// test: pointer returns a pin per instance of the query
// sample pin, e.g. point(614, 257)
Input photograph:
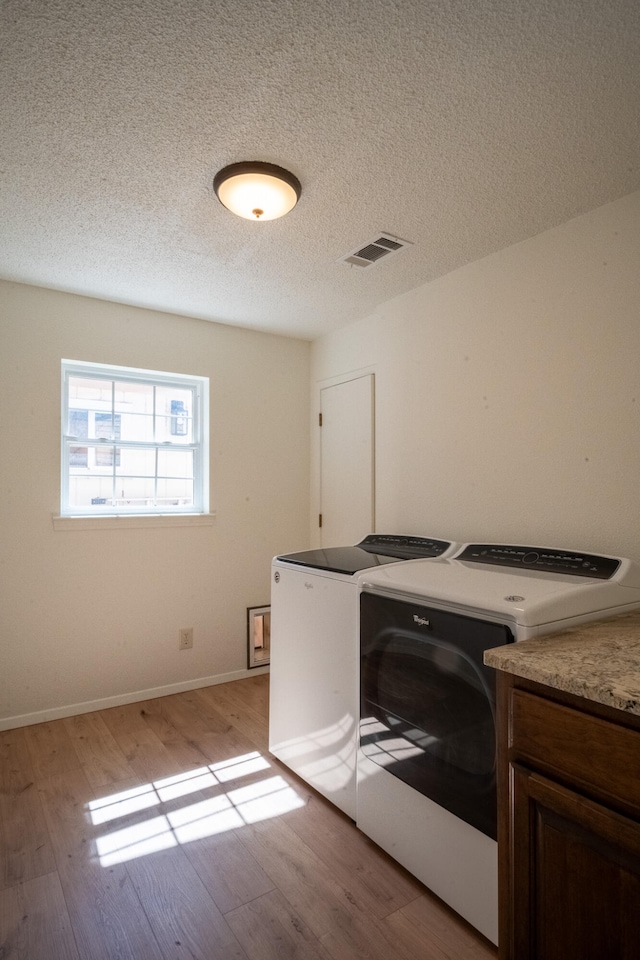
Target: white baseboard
point(89, 706)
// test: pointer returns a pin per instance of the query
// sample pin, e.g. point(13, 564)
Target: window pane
point(137, 462)
point(174, 415)
point(134, 405)
point(175, 493)
point(94, 459)
point(78, 456)
point(137, 427)
point(175, 463)
point(135, 492)
point(107, 426)
point(79, 424)
point(87, 492)
point(90, 467)
point(89, 393)
point(105, 456)
point(135, 397)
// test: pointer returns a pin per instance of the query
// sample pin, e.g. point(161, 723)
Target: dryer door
point(428, 703)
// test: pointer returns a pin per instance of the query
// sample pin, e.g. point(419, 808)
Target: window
point(133, 441)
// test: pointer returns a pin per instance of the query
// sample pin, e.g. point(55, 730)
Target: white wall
point(87, 614)
point(508, 392)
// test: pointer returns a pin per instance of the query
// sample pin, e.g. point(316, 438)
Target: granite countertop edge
point(599, 661)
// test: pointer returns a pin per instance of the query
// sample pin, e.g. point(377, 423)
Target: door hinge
point(319, 519)
point(319, 419)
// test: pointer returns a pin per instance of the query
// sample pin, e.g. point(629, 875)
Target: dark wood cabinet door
point(575, 875)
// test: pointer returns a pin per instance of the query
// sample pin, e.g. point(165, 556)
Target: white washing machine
point(313, 713)
point(426, 758)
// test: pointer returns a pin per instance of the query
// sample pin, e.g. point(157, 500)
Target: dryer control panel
point(541, 558)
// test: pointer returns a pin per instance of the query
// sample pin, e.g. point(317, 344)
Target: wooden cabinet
point(569, 826)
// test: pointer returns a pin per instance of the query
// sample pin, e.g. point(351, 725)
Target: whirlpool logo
point(421, 621)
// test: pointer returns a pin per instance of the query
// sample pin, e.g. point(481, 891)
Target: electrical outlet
point(185, 638)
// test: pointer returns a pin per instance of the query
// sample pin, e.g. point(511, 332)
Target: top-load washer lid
point(530, 586)
point(375, 550)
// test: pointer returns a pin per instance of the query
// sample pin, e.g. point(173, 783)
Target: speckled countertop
point(599, 661)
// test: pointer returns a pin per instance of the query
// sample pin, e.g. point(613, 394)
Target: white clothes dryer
point(426, 759)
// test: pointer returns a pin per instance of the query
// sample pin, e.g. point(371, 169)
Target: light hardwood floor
point(164, 830)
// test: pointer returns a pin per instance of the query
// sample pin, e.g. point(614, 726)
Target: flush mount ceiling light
point(257, 191)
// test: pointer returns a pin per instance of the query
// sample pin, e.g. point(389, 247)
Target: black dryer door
point(427, 711)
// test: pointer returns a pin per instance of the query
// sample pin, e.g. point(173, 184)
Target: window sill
point(128, 521)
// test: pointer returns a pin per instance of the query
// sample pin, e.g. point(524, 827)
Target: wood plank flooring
point(164, 830)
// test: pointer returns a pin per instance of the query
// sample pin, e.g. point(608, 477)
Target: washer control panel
point(541, 558)
point(411, 548)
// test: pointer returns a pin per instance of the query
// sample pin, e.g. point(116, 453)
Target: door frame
point(316, 462)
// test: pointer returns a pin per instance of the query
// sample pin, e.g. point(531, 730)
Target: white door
point(347, 461)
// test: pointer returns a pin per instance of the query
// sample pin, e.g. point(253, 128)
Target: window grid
point(117, 487)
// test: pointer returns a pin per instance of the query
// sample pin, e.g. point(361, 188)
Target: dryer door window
point(428, 703)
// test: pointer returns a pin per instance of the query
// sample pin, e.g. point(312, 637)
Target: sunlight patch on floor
point(229, 808)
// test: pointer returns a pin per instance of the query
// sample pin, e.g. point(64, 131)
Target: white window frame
point(199, 386)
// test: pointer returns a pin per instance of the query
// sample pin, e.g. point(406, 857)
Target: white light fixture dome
point(257, 191)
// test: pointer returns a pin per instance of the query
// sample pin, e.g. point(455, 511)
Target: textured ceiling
point(462, 126)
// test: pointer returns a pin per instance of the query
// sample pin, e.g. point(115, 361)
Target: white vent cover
point(382, 246)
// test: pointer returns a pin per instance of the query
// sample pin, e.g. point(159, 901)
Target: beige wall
point(507, 408)
point(89, 614)
point(508, 392)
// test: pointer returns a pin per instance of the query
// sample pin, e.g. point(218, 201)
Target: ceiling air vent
point(377, 249)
